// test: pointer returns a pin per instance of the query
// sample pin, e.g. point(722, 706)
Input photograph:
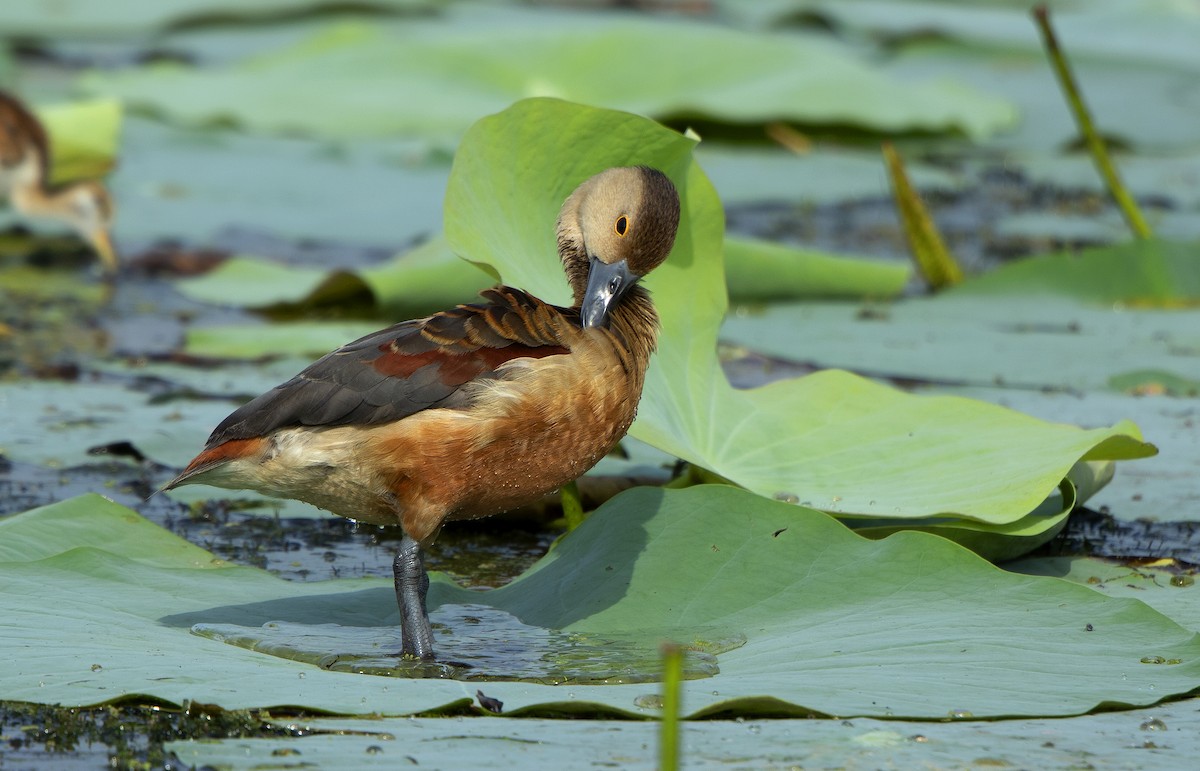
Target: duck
point(25, 181)
point(472, 411)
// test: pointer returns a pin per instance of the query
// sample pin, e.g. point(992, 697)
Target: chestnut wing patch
point(455, 368)
point(17, 126)
point(404, 369)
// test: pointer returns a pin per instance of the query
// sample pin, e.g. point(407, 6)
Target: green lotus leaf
point(1059, 321)
point(760, 271)
point(433, 77)
point(1158, 489)
point(345, 744)
point(174, 183)
point(247, 281)
point(1130, 59)
point(828, 175)
point(99, 606)
point(1105, 30)
point(306, 339)
point(1000, 542)
point(416, 283)
point(1165, 588)
point(432, 277)
point(831, 440)
point(84, 137)
point(1147, 273)
point(130, 18)
point(55, 424)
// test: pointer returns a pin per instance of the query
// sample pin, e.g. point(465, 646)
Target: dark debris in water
point(967, 220)
point(1098, 534)
point(495, 706)
point(483, 554)
point(36, 736)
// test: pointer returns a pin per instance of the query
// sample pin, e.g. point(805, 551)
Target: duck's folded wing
point(416, 365)
point(17, 129)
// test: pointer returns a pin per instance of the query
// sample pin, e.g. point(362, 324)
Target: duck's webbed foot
point(412, 584)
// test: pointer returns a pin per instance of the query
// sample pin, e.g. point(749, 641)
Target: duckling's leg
point(412, 584)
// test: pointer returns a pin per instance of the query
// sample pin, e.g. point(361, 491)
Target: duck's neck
point(633, 321)
point(35, 200)
point(576, 267)
point(634, 324)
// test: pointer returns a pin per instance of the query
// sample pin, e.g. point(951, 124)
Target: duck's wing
point(412, 366)
point(20, 131)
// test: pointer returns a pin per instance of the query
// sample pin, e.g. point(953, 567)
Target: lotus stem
point(668, 736)
point(790, 138)
point(692, 475)
point(934, 261)
point(572, 505)
point(1083, 118)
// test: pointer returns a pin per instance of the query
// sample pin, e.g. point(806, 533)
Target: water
point(478, 642)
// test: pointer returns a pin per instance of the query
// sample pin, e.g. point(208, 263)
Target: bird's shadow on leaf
point(587, 572)
point(367, 607)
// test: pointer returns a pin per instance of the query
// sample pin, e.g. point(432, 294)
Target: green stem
point(1083, 118)
point(668, 737)
point(934, 261)
point(695, 475)
point(572, 505)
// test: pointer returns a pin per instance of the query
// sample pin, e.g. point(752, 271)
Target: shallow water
point(144, 319)
point(478, 642)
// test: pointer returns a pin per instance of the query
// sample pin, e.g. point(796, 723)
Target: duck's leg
point(412, 584)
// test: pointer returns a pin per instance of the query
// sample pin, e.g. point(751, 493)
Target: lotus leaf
point(434, 77)
point(99, 603)
point(831, 440)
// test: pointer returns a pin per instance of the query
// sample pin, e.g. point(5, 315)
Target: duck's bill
point(102, 243)
point(607, 284)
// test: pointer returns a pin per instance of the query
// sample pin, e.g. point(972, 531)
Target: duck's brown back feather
point(404, 369)
point(461, 415)
point(21, 132)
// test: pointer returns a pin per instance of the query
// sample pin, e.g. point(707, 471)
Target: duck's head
point(85, 206)
point(615, 228)
point(89, 209)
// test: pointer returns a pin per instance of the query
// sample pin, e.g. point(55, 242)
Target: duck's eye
point(622, 226)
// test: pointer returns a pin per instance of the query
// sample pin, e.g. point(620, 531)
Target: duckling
point(471, 411)
point(25, 180)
